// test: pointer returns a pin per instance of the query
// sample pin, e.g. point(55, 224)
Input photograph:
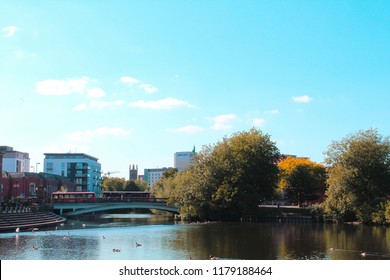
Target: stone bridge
point(71, 209)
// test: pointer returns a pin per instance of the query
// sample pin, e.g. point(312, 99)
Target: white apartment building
point(15, 161)
point(182, 160)
point(82, 169)
point(152, 175)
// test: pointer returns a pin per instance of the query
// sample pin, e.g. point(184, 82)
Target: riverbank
point(273, 213)
point(28, 220)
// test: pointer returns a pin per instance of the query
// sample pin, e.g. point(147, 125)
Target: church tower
point(133, 172)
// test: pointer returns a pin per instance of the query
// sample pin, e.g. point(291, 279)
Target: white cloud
point(20, 54)
point(81, 86)
point(223, 122)
point(274, 111)
point(163, 104)
point(130, 80)
point(9, 30)
point(302, 99)
point(94, 104)
point(80, 107)
point(258, 122)
point(62, 87)
point(87, 136)
point(79, 141)
point(190, 129)
point(148, 88)
point(95, 93)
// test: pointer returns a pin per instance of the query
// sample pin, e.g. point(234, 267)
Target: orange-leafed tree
point(299, 177)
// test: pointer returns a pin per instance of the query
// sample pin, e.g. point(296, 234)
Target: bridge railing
point(113, 200)
point(133, 199)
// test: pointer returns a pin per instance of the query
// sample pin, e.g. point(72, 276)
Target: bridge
point(72, 209)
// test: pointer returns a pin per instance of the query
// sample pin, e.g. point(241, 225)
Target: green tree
point(358, 176)
point(114, 184)
point(164, 187)
point(228, 180)
point(301, 176)
point(130, 185)
point(141, 184)
point(120, 184)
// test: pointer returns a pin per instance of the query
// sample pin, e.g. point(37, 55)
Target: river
point(115, 237)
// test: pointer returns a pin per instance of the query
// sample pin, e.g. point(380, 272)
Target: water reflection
point(115, 237)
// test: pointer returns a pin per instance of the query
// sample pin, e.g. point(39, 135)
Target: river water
point(115, 237)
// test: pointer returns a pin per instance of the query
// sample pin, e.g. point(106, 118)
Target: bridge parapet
point(90, 207)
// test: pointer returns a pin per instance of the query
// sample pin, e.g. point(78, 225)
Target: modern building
point(1, 177)
point(82, 169)
point(14, 161)
point(1, 162)
point(152, 175)
point(183, 160)
point(133, 172)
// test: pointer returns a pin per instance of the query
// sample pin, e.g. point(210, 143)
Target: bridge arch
point(73, 209)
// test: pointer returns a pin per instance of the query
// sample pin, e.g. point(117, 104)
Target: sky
point(133, 82)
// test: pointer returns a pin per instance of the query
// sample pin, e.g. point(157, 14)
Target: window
point(31, 189)
point(49, 167)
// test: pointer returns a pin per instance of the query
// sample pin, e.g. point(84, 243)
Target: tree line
point(121, 184)
point(228, 180)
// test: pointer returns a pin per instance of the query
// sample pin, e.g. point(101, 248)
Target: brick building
point(31, 185)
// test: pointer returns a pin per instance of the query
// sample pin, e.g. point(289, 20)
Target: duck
point(363, 254)
point(137, 244)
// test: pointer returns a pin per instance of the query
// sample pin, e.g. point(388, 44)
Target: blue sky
point(133, 82)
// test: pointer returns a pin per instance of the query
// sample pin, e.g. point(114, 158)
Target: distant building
point(141, 178)
point(1, 162)
point(27, 185)
point(1, 177)
point(183, 160)
point(152, 175)
point(14, 161)
point(82, 169)
point(133, 172)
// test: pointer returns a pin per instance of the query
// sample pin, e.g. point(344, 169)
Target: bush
point(316, 212)
point(382, 215)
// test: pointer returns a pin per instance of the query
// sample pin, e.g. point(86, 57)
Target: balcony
point(82, 175)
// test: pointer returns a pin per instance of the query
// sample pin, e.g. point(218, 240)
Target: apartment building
point(152, 175)
point(82, 169)
point(183, 160)
point(14, 161)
